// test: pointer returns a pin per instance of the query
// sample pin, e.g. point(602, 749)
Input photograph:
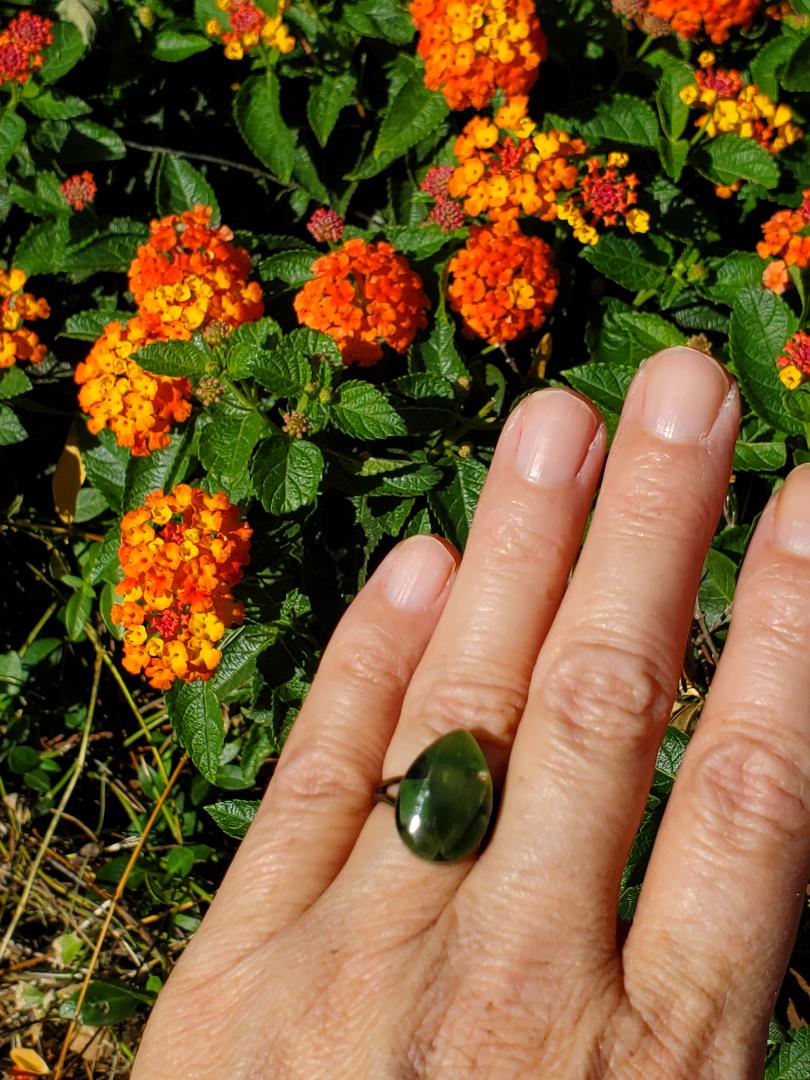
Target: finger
point(606, 676)
point(725, 885)
point(322, 789)
point(476, 670)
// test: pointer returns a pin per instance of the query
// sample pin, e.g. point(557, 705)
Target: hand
point(332, 951)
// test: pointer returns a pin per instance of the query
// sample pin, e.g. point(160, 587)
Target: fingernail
point(417, 573)
point(683, 392)
point(793, 512)
point(558, 429)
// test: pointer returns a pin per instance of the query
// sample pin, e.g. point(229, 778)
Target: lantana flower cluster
point(79, 190)
point(18, 342)
point(502, 282)
point(249, 27)
point(181, 555)
point(794, 361)
point(471, 50)
point(733, 106)
point(689, 18)
point(21, 45)
point(186, 277)
point(364, 295)
point(507, 169)
point(786, 242)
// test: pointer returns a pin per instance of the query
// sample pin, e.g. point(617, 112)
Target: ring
point(444, 803)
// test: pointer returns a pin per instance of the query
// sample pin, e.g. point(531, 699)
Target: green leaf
point(362, 410)
point(106, 466)
point(196, 717)
point(672, 112)
point(673, 156)
point(761, 324)
point(669, 759)
point(287, 474)
point(21, 759)
point(106, 1002)
point(50, 106)
point(285, 370)
point(628, 336)
point(769, 60)
point(624, 119)
point(77, 612)
point(294, 267)
point(454, 503)
point(90, 141)
point(160, 470)
point(42, 249)
point(239, 655)
point(792, 1060)
point(760, 457)
point(439, 353)
point(234, 815)
point(226, 445)
point(107, 254)
point(173, 358)
point(605, 384)
point(797, 74)
point(413, 113)
point(45, 201)
point(63, 54)
point(258, 117)
point(13, 382)
point(730, 273)
point(89, 325)
point(172, 44)
point(627, 260)
point(327, 98)
point(419, 241)
point(182, 187)
point(729, 158)
point(11, 430)
point(385, 19)
point(12, 133)
point(306, 175)
point(717, 588)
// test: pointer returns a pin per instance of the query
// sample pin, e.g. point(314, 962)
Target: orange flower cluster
point(507, 168)
point(21, 45)
point(715, 18)
point(138, 407)
point(189, 274)
point(181, 555)
point(251, 27)
point(363, 295)
point(733, 106)
point(472, 49)
point(17, 342)
point(794, 361)
point(786, 240)
point(503, 283)
point(79, 190)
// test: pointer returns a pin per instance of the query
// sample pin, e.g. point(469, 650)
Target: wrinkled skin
point(332, 951)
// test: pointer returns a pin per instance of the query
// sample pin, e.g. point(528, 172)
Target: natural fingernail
point(793, 512)
point(558, 429)
point(683, 392)
point(417, 573)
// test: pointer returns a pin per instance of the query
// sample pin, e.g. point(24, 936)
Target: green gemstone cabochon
point(445, 799)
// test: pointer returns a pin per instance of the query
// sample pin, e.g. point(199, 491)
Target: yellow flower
point(638, 221)
point(790, 376)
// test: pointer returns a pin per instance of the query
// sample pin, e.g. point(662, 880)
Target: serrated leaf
point(233, 815)
point(761, 324)
point(628, 336)
point(455, 501)
point(287, 474)
point(327, 98)
point(226, 445)
point(624, 119)
point(717, 587)
point(106, 468)
point(362, 410)
point(42, 249)
point(106, 254)
point(285, 370)
point(11, 430)
point(628, 261)
point(294, 267)
point(731, 273)
point(413, 113)
point(306, 175)
point(88, 325)
point(196, 717)
point(90, 141)
point(177, 359)
point(419, 241)
point(768, 61)
point(759, 457)
point(77, 612)
point(385, 19)
point(729, 158)
point(604, 384)
point(13, 382)
point(182, 187)
point(673, 156)
point(439, 353)
point(792, 1060)
point(50, 106)
point(258, 116)
point(669, 759)
point(160, 470)
point(239, 655)
point(12, 133)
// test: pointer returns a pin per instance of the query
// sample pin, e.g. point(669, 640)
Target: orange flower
point(251, 27)
point(138, 407)
point(21, 45)
point(473, 49)
point(189, 274)
point(363, 295)
point(786, 237)
point(181, 555)
point(775, 276)
point(714, 17)
point(17, 342)
point(503, 283)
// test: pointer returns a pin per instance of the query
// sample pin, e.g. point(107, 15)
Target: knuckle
point(515, 534)
point(775, 610)
point(369, 658)
point(652, 505)
point(480, 699)
point(314, 772)
point(594, 692)
point(747, 790)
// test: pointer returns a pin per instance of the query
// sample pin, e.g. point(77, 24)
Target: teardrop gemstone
point(445, 799)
